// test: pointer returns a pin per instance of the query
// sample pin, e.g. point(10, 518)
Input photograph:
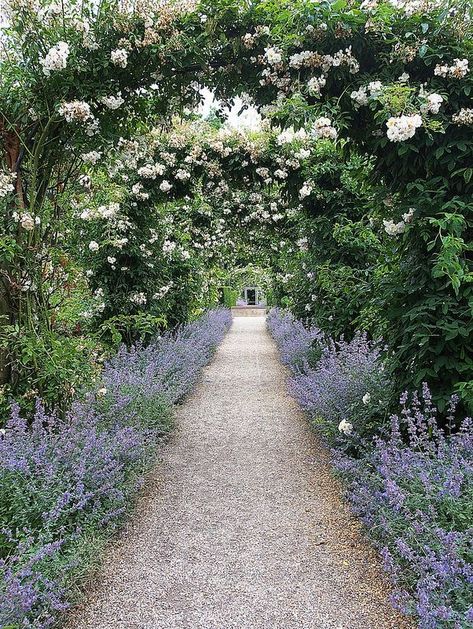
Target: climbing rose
point(165, 186)
point(56, 58)
point(458, 70)
point(403, 127)
point(75, 110)
point(119, 57)
point(112, 102)
point(322, 128)
point(273, 56)
point(27, 222)
point(305, 191)
point(394, 229)
point(6, 183)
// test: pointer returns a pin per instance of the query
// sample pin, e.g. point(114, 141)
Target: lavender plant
point(342, 385)
point(64, 483)
point(411, 484)
point(414, 492)
point(299, 345)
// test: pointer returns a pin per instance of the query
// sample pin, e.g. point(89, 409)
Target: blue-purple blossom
point(342, 383)
point(62, 479)
point(412, 485)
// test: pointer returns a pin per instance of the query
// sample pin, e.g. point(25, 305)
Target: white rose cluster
point(402, 128)
point(322, 129)
point(289, 135)
point(305, 191)
point(273, 56)
point(345, 427)
point(262, 171)
point(151, 171)
point(92, 157)
point(76, 111)
point(311, 59)
point(250, 39)
point(6, 183)
point(168, 247)
point(360, 96)
point(280, 173)
point(394, 229)
point(103, 211)
point(315, 84)
point(182, 175)
point(431, 102)
point(411, 7)
point(163, 291)
point(409, 215)
point(463, 117)
point(302, 154)
point(369, 5)
point(119, 57)
point(112, 102)
point(26, 220)
point(137, 190)
point(363, 95)
point(138, 298)
point(56, 58)
point(165, 186)
point(458, 70)
point(300, 59)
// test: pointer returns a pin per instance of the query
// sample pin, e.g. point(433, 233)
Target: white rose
point(119, 57)
point(27, 222)
point(345, 427)
point(165, 186)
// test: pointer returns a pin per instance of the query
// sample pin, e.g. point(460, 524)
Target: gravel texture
point(241, 526)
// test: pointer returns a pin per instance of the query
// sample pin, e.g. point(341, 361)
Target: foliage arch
point(391, 78)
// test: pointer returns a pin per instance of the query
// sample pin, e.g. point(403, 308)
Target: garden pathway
point(241, 526)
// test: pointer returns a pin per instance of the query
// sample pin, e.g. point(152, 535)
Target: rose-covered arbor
point(392, 78)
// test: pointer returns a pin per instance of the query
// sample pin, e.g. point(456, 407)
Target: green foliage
point(413, 287)
point(48, 365)
point(130, 328)
point(230, 296)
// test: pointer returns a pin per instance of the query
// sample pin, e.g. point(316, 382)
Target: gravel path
point(241, 526)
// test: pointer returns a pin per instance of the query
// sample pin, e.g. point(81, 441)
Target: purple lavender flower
point(412, 487)
point(60, 479)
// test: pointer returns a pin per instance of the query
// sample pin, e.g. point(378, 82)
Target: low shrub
point(66, 483)
point(299, 346)
point(414, 492)
point(342, 385)
point(347, 391)
point(409, 481)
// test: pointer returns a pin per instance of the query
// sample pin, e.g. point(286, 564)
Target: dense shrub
point(298, 344)
point(342, 385)
point(414, 492)
point(347, 388)
point(65, 484)
point(412, 485)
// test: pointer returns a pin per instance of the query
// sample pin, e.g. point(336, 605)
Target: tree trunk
point(12, 155)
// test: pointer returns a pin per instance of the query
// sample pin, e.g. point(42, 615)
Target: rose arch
point(388, 82)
